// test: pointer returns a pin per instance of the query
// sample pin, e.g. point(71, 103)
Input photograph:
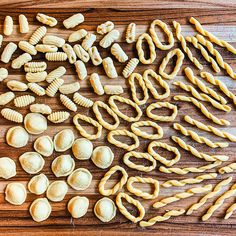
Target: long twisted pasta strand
point(212, 37)
point(196, 153)
point(219, 202)
point(186, 194)
point(181, 38)
point(227, 169)
point(196, 137)
point(210, 128)
point(230, 211)
point(203, 109)
point(217, 189)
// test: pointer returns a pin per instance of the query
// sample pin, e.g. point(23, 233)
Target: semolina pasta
point(96, 84)
point(105, 27)
point(69, 88)
point(82, 101)
point(5, 98)
point(227, 169)
point(56, 56)
point(109, 68)
point(27, 47)
point(77, 35)
point(8, 26)
point(36, 77)
point(8, 51)
point(69, 52)
point(52, 88)
point(35, 66)
point(68, 103)
point(118, 53)
point(40, 108)
point(73, 20)
point(12, 115)
point(58, 116)
point(80, 69)
point(95, 55)
point(130, 67)
point(56, 74)
point(1, 40)
point(46, 48)
point(15, 85)
point(54, 40)
point(81, 53)
point(3, 74)
point(21, 60)
point(24, 100)
point(38, 34)
point(47, 20)
point(109, 38)
point(130, 33)
point(37, 89)
point(88, 41)
point(113, 89)
point(23, 23)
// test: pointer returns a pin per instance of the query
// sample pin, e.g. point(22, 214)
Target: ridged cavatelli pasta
point(54, 40)
point(37, 89)
point(58, 116)
point(23, 23)
point(88, 41)
point(73, 20)
point(3, 73)
point(38, 35)
point(130, 33)
point(46, 48)
point(21, 60)
point(35, 66)
point(105, 27)
point(77, 35)
point(40, 108)
point(56, 56)
point(80, 69)
point(82, 101)
point(69, 88)
point(68, 103)
point(8, 52)
point(12, 115)
point(96, 84)
point(24, 100)
point(109, 38)
point(130, 67)
point(109, 68)
point(15, 85)
point(81, 53)
point(52, 88)
point(36, 77)
point(113, 89)
point(69, 52)
point(95, 55)
point(118, 53)
point(47, 20)
point(8, 25)
point(55, 74)
point(27, 47)
point(6, 98)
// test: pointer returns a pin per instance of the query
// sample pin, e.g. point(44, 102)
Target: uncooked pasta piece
point(37, 89)
point(17, 137)
point(12, 115)
point(109, 38)
point(227, 169)
point(1, 40)
point(109, 68)
point(57, 190)
point(58, 116)
point(77, 35)
point(15, 85)
point(40, 108)
point(8, 51)
point(81, 69)
point(123, 132)
point(105, 27)
point(130, 67)
point(114, 107)
point(165, 61)
point(5, 98)
point(78, 206)
point(47, 20)
point(68, 103)
point(15, 193)
point(124, 210)
point(113, 89)
point(38, 184)
point(35, 123)
point(99, 116)
point(89, 120)
point(8, 25)
point(40, 209)
point(140, 50)
point(44, 145)
point(24, 100)
point(69, 52)
point(96, 84)
point(36, 77)
point(38, 34)
point(118, 186)
point(7, 168)
point(63, 140)
point(168, 105)
point(27, 47)
point(155, 38)
point(56, 56)
point(56, 73)
point(118, 53)
point(52, 88)
point(81, 53)
point(38, 66)
point(73, 20)
point(3, 73)
point(95, 55)
point(21, 60)
point(130, 33)
point(46, 48)
point(69, 88)
point(88, 41)
point(82, 101)
point(82, 149)
point(23, 23)
point(54, 40)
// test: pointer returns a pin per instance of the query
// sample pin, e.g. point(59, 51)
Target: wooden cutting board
point(220, 19)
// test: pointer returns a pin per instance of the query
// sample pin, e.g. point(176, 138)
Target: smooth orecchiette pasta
point(3, 73)
point(8, 25)
point(36, 77)
point(27, 47)
point(105, 27)
point(15, 193)
point(78, 206)
point(21, 60)
point(44, 145)
point(8, 51)
point(82, 101)
point(82, 149)
point(69, 88)
point(56, 73)
point(35, 123)
point(12, 115)
point(227, 169)
point(52, 88)
point(140, 50)
point(37, 89)
point(113, 89)
point(15, 85)
point(54, 40)
point(155, 38)
point(109, 38)
point(81, 53)
point(118, 186)
point(24, 100)
point(118, 53)
point(124, 210)
point(5, 98)
point(96, 84)
point(38, 184)
point(17, 137)
point(38, 34)
point(7, 168)
point(130, 33)
point(58, 116)
point(63, 140)
point(56, 56)
point(40, 108)
point(23, 23)
point(57, 190)
point(165, 61)
point(73, 20)
point(88, 41)
point(130, 67)
point(80, 69)
point(160, 105)
point(77, 35)
point(109, 68)
point(47, 20)
point(91, 121)
point(95, 55)
point(68, 103)
point(69, 52)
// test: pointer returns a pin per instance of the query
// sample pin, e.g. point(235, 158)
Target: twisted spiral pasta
point(56, 56)
point(12, 115)
point(227, 169)
point(230, 211)
point(82, 101)
point(37, 89)
point(38, 34)
point(68, 103)
point(24, 100)
point(130, 67)
point(52, 88)
point(58, 116)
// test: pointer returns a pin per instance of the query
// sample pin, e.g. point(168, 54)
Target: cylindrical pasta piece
point(46, 48)
point(58, 116)
point(1, 40)
point(77, 35)
point(130, 67)
point(38, 34)
point(73, 21)
point(69, 88)
point(95, 55)
point(52, 88)
point(37, 89)
point(36, 77)
point(81, 53)
point(227, 169)
point(80, 69)
point(82, 101)
point(8, 25)
point(23, 23)
point(12, 115)
point(56, 56)
point(56, 73)
point(40, 108)
point(5, 98)
point(96, 84)
point(3, 73)
point(24, 100)
point(15, 85)
point(118, 53)
point(109, 38)
point(105, 27)
point(35, 66)
point(47, 20)
point(54, 40)
point(21, 60)
point(109, 68)
point(69, 52)
point(27, 47)
point(130, 33)
point(88, 41)
point(113, 89)
point(68, 103)
point(8, 52)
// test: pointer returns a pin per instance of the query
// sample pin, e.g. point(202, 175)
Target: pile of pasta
point(55, 48)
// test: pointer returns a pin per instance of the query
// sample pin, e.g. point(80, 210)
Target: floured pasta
point(69, 52)
point(77, 35)
point(38, 34)
point(96, 84)
point(3, 73)
point(130, 33)
point(8, 25)
point(73, 20)
point(23, 23)
point(109, 38)
point(118, 53)
point(58, 116)
point(105, 27)
point(47, 20)
point(8, 51)
point(95, 55)
point(81, 53)
point(80, 69)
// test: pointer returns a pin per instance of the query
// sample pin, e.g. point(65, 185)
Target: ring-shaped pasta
point(160, 105)
point(161, 82)
point(160, 158)
point(155, 38)
point(82, 131)
point(151, 49)
point(99, 117)
point(114, 107)
point(138, 132)
point(139, 193)
point(132, 201)
point(165, 61)
point(118, 186)
point(142, 85)
point(123, 132)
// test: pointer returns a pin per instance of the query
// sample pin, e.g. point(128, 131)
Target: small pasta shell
point(88, 41)
point(47, 20)
point(37, 89)
point(27, 47)
point(24, 25)
point(8, 25)
point(118, 53)
point(6, 98)
point(113, 89)
point(81, 53)
point(24, 100)
point(36, 77)
point(81, 69)
point(74, 20)
point(56, 56)
point(82, 101)
point(69, 52)
point(109, 68)
point(69, 88)
point(55, 74)
point(15, 85)
point(109, 38)
point(21, 60)
point(77, 35)
point(40, 108)
point(105, 28)
point(96, 84)
point(3, 74)
point(35, 66)
point(12, 115)
point(130, 33)
point(8, 52)
point(68, 103)
point(58, 116)
point(54, 87)
point(54, 40)
point(38, 35)
point(130, 67)
point(46, 48)
point(95, 55)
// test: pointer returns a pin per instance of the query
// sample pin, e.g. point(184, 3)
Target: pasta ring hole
point(140, 161)
point(162, 111)
point(145, 187)
point(156, 84)
point(171, 65)
point(126, 109)
point(113, 180)
point(106, 116)
point(125, 139)
point(130, 208)
point(165, 153)
point(139, 90)
point(162, 36)
point(145, 47)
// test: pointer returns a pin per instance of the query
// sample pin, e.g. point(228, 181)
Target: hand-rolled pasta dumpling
point(105, 209)
point(40, 209)
point(17, 137)
point(15, 193)
point(57, 190)
point(63, 165)
point(7, 168)
point(82, 148)
point(80, 179)
point(35, 123)
point(63, 140)
point(38, 184)
point(102, 157)
point(44, 145)
point(78, 206)
point(31, 162)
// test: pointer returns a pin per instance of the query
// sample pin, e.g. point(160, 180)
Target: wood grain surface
point(219, 18)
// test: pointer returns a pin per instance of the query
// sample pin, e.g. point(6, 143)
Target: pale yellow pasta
point(36, 77)
point(80, 69)
point(12, 115)
point(15, 193)
point(130, 67)
point(118, 53)
point(3, 73)
point(69, 52)
point(5, 98)
point(56, 56)
point(8, 51)
point(15, 85)
point(38, 34)
point(63, 140)
point(40, 108)
point(23, 23)
point(1, 40)
point(113, 89)
point(96, 84)
point(109, 38)
point(46, 48)
point(38, 66)
point(88, 41)
point(81, 53)
point(105, 27)
point(140, 50)
point(46, 20)
point(56, 73)
point(7, 168)
point(73, 20)
point(52, 88)
point(8, 25)
point(37, 89)
point(24, 100)
point(95, 55)
point(27, 47)
point(35, 123)
point(54, 40)
point(17, 137)
point(68, 103)
point(82, 101)
point(77, 35)
point(58, 116)
point(21, 60)
point(69, 88)
point(227, 169)
point(109, 68)
point(130, 33)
